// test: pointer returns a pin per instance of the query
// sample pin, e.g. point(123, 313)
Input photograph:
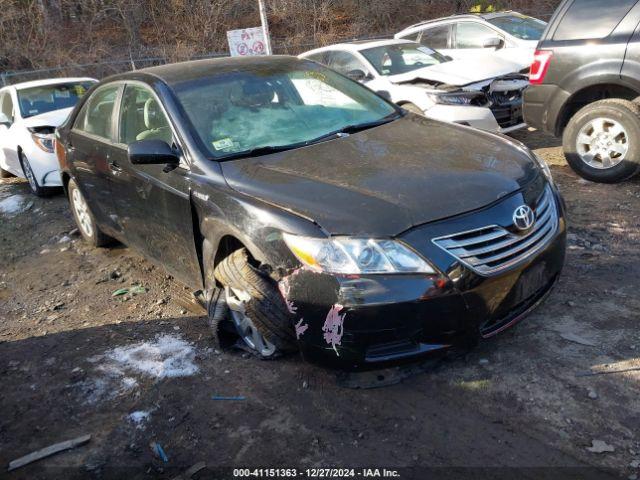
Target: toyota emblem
point(523, 217)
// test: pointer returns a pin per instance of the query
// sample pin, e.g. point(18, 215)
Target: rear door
point(91, 145)
point(437, 37)
point(153, 203)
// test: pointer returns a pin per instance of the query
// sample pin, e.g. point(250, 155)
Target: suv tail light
point(540, 65)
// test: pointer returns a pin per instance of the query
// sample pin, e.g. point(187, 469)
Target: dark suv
point(585, 80)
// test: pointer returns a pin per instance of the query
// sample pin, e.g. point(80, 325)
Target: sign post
point(265, 27)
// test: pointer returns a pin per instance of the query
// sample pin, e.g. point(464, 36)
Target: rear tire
point(261, 303)
point(84, 218)
point(602, 141)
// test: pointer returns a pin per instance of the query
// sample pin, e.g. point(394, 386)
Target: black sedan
point(315, 214)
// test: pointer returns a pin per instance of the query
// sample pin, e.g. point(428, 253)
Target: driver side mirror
point(357, 75)
point(4, 120)
point(493, 42)
point(152, 152)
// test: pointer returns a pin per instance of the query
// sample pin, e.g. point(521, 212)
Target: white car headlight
point(458, 98)
point(44, 141)
point(346, 255)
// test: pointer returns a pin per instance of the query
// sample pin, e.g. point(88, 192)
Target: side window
point(6, 105)
point(142, 117)
point(590, 19)
point(96, 116)
point(411, 36)
point(345, 62)
point(436, 37)
point(320, 57)
point(472, 35)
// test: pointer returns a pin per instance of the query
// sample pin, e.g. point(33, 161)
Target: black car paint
point(579, 65)
point(179, 219)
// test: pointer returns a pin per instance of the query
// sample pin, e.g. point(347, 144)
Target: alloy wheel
point(246, 329)
point(82, 213)
point(602, 143)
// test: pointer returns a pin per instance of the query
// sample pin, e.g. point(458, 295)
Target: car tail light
point(540, 65)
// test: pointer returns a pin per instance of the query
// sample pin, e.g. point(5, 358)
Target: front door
point(91, 144)
point(153, 205)
point(8, 148)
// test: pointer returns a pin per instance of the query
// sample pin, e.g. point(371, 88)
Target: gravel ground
point(140, 368)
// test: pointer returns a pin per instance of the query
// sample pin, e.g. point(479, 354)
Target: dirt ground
point(135, 369)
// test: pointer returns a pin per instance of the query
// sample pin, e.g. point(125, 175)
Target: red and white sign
point(246, 42)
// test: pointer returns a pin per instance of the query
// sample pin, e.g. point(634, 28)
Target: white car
point(484, 93)
point(29, 115)
point(509, 35)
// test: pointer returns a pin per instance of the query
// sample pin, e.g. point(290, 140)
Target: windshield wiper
point(349, 129)
point(256, 152)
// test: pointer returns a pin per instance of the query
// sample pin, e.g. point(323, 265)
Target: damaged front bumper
point(373, 321)
point(496, 108)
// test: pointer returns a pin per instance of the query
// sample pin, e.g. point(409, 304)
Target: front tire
point(250, 303)
point(36, 189)
point(84, 218)
point(602, 141)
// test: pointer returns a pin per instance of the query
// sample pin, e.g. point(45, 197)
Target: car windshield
point(520, 26)
point(401, 58)
point(283, 106)
point(38, 100)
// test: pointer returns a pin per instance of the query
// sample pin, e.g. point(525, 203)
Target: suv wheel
point(84, 218)
point(250, 307)
point(602, 141)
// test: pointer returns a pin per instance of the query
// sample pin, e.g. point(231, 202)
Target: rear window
point(591, 19)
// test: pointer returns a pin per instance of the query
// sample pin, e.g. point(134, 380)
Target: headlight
point(345, 255)
point(458, 98)
point(44, 141)
point(543, 167)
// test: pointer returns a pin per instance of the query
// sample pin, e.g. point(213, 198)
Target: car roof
point(357, 46)
point(175, 73)
point(51, 81)
point(469, 16)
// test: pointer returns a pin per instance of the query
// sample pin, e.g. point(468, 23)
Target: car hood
point(461, 72)
point(385, 180)
point(55, 118)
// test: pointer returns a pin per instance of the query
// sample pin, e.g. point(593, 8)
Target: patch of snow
point(168, 356)
point(121, 368)
point(139, 418)
point(13, 205)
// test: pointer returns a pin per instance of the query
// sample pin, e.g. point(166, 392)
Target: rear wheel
point(250, 307)
point(84, 218)
point(602, 141)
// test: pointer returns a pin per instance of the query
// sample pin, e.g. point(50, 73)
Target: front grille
point(492, 249)
point(507, 108)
